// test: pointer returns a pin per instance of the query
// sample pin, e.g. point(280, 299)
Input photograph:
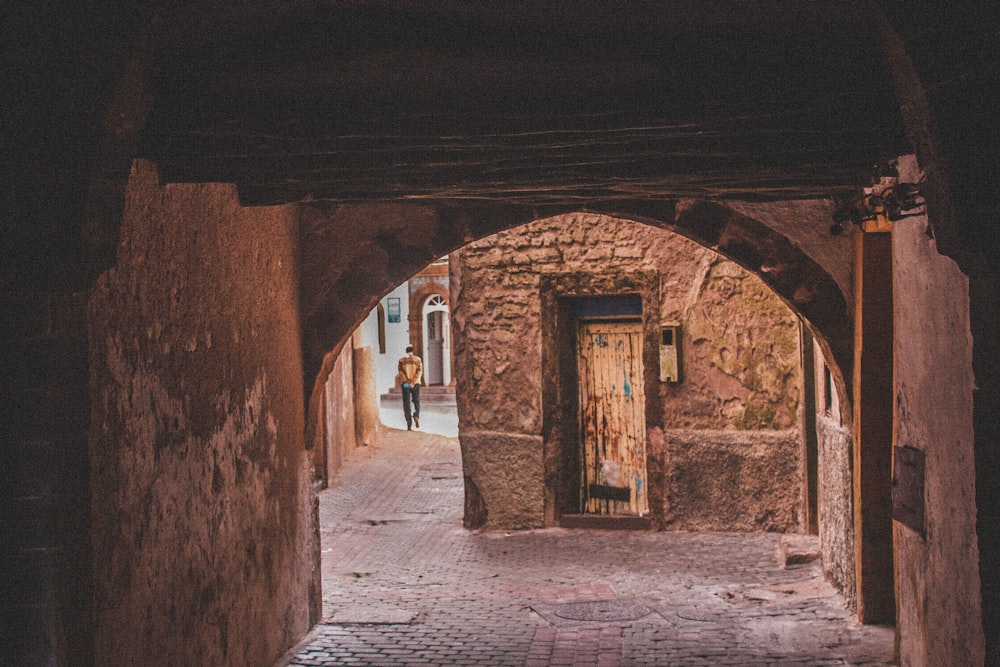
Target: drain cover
point(602, 610)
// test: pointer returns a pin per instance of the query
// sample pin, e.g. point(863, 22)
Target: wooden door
point(434, 363)
point(612, 418)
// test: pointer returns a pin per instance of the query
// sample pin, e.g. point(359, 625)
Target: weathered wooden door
point(612, 418)
point(437, 354)
point(434, 361)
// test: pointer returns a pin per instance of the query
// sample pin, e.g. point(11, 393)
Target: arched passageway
point(513, 267)
point(357, 114)
point(726, 225)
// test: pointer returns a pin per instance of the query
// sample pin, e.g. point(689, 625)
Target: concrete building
point(204, 200)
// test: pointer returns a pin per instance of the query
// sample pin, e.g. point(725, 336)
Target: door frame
point(560, 412)
point(428, 308)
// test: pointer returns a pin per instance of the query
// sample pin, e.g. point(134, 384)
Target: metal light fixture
point(885, 201)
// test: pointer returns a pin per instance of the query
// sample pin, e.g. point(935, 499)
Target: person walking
point(411, 371)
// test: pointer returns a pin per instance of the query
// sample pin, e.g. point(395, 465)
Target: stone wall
point(740, 348)
point(504, 479)
point(733, 480)
point(836, 504)
point(740, 366)
point(203, 515)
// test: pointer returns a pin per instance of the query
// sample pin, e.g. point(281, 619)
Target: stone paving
point(405, 584)
point(434, 418)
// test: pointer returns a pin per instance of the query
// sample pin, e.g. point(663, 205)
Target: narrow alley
point(405, 584)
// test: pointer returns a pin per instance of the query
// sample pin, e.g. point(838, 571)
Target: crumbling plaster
point(203, 513)
point(938, 581)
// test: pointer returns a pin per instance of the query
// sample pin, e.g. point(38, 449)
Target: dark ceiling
point(535, 103)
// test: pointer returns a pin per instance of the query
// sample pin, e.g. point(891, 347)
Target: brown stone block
point(507, 476)
point(725, 480)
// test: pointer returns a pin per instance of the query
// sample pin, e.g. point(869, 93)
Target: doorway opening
point(437, 341)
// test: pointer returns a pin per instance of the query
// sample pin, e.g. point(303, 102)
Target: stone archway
point(562, 258)
point(817, 292)
point(815, 284)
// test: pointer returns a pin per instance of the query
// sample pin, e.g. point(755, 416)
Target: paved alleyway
point(404, 584)
point(434, 418)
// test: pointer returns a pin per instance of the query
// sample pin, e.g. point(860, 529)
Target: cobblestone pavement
point(405, 584)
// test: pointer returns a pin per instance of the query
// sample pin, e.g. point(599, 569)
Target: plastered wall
point(339, 437)
point(939, 599)
point(397, 337)
point(204, 539)
point(350, 411)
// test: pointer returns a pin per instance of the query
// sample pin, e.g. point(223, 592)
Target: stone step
point(795, 549)
point(428, 393)
point(605, 522)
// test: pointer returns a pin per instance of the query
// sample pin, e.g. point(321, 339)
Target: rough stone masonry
point(718, 439)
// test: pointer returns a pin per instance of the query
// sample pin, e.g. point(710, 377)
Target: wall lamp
point(881, 204)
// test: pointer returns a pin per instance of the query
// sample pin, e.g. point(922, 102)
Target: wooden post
point(873, 426)
point(810, 440)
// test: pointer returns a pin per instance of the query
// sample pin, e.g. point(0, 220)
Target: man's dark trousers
point(411, 392)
